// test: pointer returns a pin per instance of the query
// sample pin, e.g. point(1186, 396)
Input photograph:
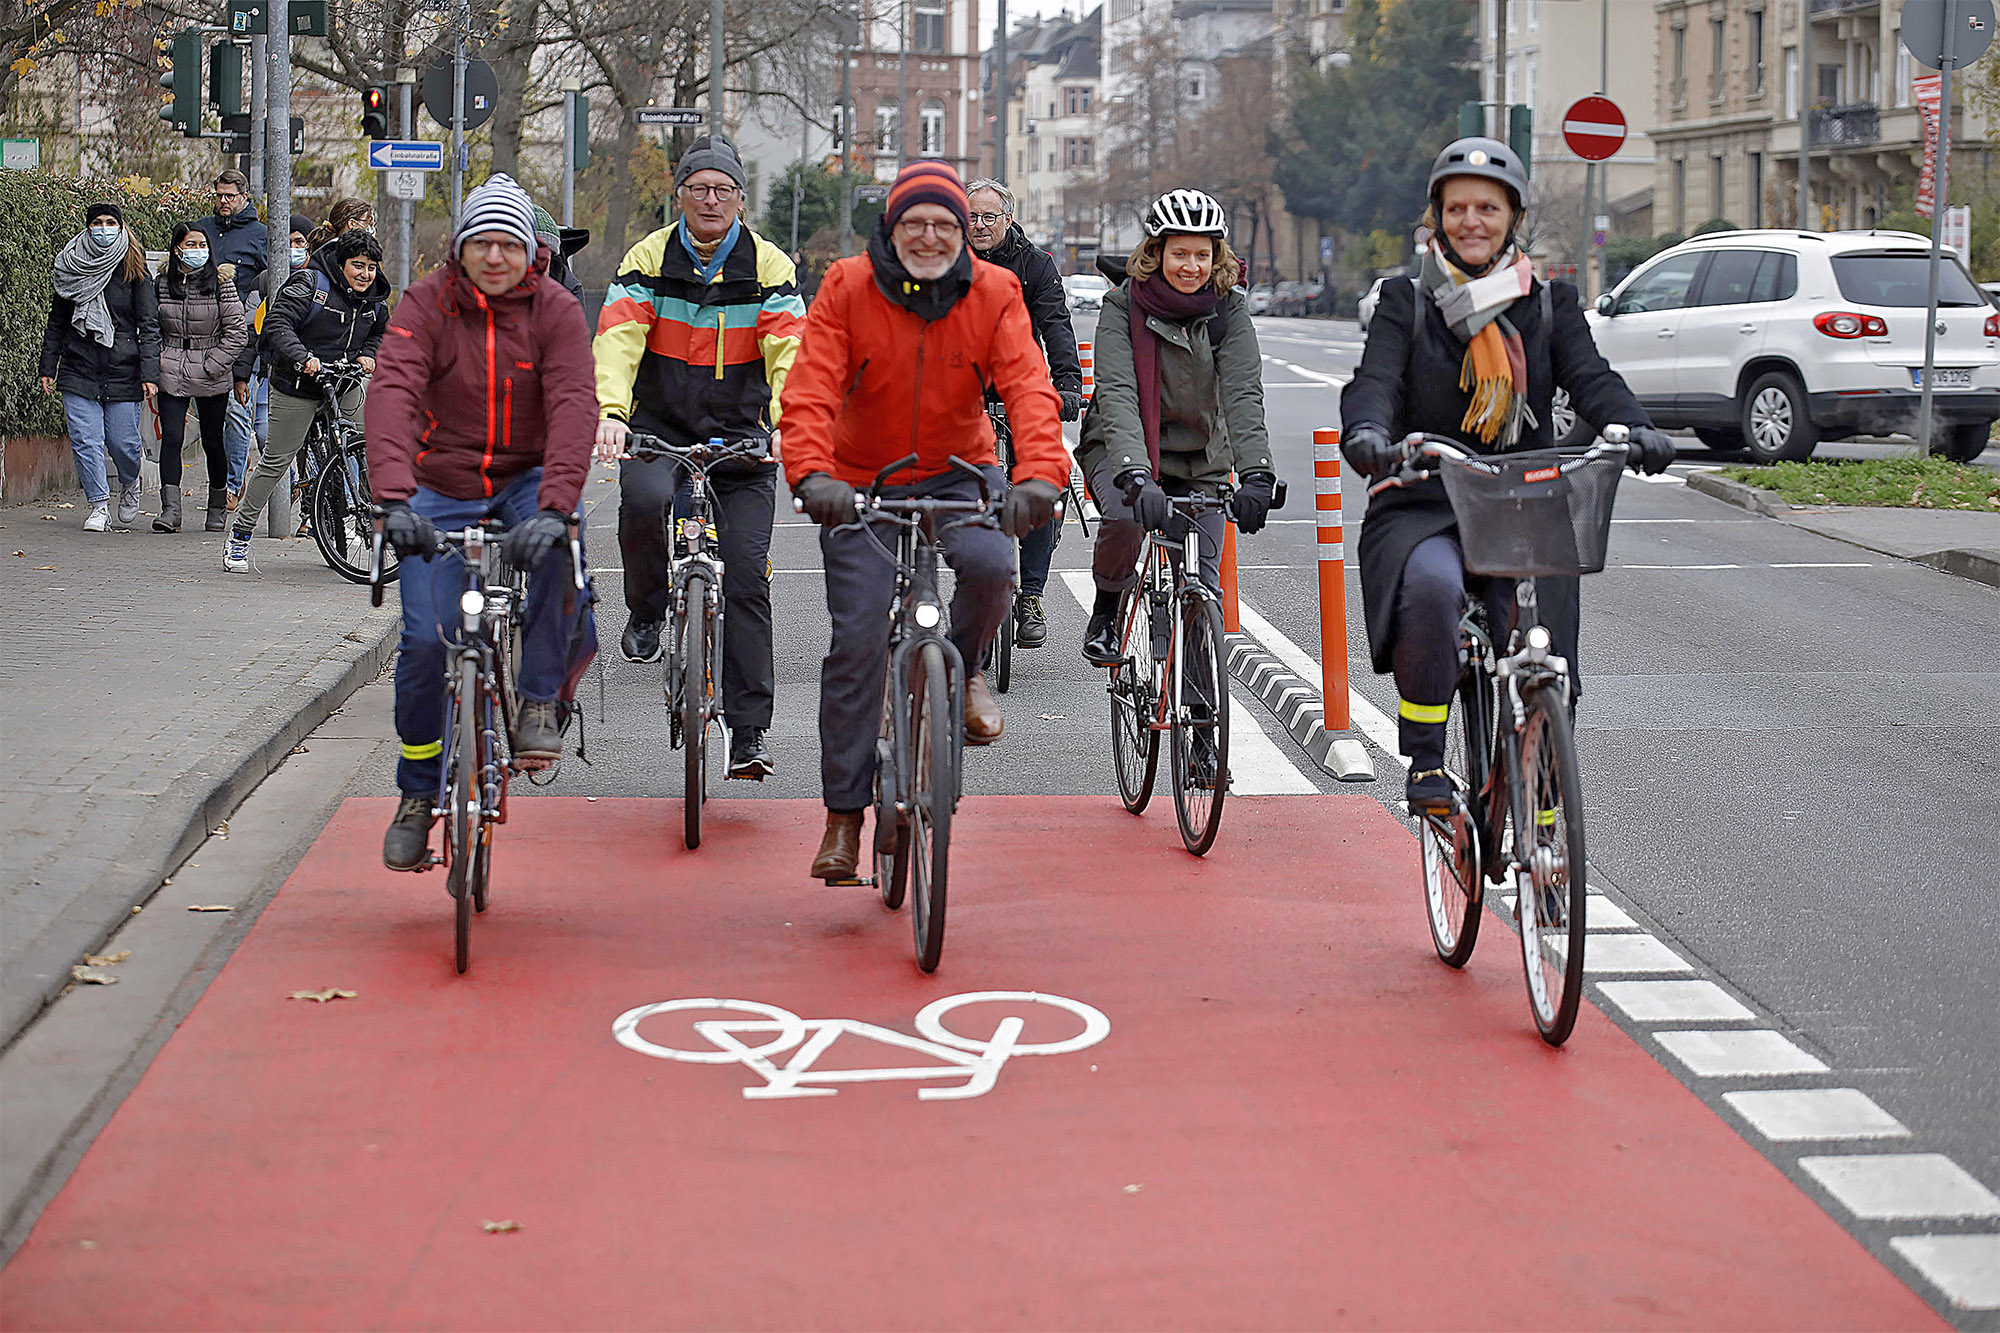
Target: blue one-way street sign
point(405, 155)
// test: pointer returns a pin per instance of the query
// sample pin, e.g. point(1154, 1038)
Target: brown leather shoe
point(982, 715)
point(840, 849)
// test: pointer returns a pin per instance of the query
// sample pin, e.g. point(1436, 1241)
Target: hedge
point(39, 212)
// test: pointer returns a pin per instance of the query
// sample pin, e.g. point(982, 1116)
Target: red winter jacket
point(470, 391)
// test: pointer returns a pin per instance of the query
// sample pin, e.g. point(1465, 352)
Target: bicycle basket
point(1531, 514)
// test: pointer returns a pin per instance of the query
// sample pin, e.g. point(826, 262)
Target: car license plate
point(1948, 377)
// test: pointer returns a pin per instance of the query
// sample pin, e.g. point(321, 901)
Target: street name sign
point(1594, 128)
point(405, 155)
point(670, 115)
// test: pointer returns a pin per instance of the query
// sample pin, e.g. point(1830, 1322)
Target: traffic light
point(375, 111)
point(183, 80)
point(225, 78)
point(1521, 135)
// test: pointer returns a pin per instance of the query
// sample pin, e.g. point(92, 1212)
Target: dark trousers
point(213, 413)
point(1115, 559)
point(431, 622)
point(1038, 549)
point(1428, 606)
point(859, 586)
point(745, 502)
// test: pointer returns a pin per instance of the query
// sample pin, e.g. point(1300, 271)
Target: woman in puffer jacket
point(202, 328)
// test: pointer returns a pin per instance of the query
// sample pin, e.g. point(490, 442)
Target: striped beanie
point(497, 205)
point(926, 182)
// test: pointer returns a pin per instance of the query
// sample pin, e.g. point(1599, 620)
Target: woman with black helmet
point(1472, 348)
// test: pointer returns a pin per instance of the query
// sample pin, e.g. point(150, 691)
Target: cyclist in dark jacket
point(998, 239)
point(1472, 348)
point(101, 351)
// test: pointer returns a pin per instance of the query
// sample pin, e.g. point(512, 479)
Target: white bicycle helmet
point(1189, 212)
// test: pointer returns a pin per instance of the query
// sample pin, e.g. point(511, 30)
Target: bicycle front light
point(928, 615)
point(1538, 639)
point(472, 602)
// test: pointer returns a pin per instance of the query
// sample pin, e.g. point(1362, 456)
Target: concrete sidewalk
point(1956, 541)
point(146, 692)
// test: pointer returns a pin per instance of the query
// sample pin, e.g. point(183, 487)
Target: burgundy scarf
point(1159, 298)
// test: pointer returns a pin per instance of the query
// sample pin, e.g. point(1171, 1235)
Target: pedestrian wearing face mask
point(202, 330)
point(101, 351)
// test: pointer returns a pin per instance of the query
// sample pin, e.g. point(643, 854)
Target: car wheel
point(1720, 439)
point(1962, 444)
point(1566, 428)
point(1776, 426)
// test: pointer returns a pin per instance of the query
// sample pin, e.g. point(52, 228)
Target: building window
point(930, 121)
point(1716, 183)
point(1076, 101)
point(1194, 85)
point(927, 30)
point(1756, 189)
point(1831, 77)
point(1753, 24)
point(1678, 196)
point(1530, 80)
point(886, 125)
point(1052, 161)
point(1902, 71)
point(1076, 153)
point(1718, 49)
point(1677, 70)
point(1790, 89)
point(1020, 163)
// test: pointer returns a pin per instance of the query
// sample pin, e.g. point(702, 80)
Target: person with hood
point(484, 403)
point(101, 351)
point(998, 239)
point(896, 358)
point(550, 233)
point(333, 309)
point(202, 330)
point(697, 334)
point(240, 246)
point(1472, 349)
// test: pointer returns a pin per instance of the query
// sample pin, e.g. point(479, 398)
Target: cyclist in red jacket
point(484, 402)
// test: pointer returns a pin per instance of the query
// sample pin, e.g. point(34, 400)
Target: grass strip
point(1888, 483)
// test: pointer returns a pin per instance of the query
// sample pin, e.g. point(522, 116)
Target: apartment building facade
point(925, 52)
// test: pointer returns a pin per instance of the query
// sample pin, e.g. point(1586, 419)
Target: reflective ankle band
point(431, 751)
point(1425, 712)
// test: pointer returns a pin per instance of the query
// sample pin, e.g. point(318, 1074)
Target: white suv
point(1771, 341)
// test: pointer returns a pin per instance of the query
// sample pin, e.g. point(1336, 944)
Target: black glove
point(1649, 451)
point(1148, 502)
point(828, 500)
point(1368, 450)
point(528, 544)
point(1029, 504)
point(1072, 405)
point(409, 532)
point(1252, 502)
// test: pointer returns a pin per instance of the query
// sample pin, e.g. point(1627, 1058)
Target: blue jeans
point(246, 421)
point(431, 623)
point(94, 426)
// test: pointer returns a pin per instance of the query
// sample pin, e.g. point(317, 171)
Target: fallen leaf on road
point(20, 553)
point(495, 1228)
point(220, 830)
point(48, 518)
point(107, 959)
point(94, 976)
point(1052, 717)
point(210, 907)
point(1133, 1189)
point(322, 996)
point(37, 566)
point(64, 504)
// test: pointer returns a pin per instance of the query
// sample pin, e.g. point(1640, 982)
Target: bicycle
point(1071, 498)
point(481, 702)
point(334, 464)
point(694, 611)
point(1510, 750)
point(919, 746)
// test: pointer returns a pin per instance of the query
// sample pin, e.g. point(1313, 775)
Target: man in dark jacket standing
point(240, 246)
point(998, 239)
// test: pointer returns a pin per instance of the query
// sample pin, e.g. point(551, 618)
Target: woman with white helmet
point(1472, 349)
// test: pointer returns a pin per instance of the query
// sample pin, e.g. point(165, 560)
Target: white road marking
point(1369, 720)
point(1599, 913)
point(1628, 953)
point(1918, 1184)
point(1677, 566)
point(1965, 1268)
point(1686, 520)
point(1674, 1001)
point(1787, 1115)
point(1739, 1054)
point(1825, 564)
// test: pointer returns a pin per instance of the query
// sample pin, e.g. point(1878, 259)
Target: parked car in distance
point(1768, 342)
point(1285, 298)
point(1259, 299)
point(1085, 291)
point(1992, 290)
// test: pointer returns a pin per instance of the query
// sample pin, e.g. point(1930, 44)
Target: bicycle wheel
point(1135, 746)
point(462, 797)
point(1453, 845)
point(694, 707)
point(1199, 691)
point(1003, 653)
point(933, 795)
point(343, 528)
point(891, 834)
point(1551, 888)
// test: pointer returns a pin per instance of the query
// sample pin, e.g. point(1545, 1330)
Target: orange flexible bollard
point(1232, 612)
point(1332, 579)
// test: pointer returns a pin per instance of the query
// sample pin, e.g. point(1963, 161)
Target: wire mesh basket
point(1524, 515)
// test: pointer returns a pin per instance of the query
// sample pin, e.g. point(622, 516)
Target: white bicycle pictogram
point(959, 1057)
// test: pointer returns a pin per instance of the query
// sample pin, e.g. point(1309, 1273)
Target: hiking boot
point(536, 734)
point(100, 517)
point(747, 756)
point(839, 848)
point(407, 844)
point(236, 552)
point(128, 504)
point(1030, 630)
point(641, 642)
point(170, 510)
point(218, 500)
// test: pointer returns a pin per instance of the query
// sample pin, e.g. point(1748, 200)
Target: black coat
point(334, 324)
point(1048, 304)
point(88, 368)
point(1408, 381)
point(243, 240)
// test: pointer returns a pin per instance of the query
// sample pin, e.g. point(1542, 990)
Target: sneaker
point(1428, 791)
point(407, 844)
point(236, 552)
point(128, 504)
point(100, 517)
point(747, 756)
point(536, 733)
point(1030, 630)
point(641, 642)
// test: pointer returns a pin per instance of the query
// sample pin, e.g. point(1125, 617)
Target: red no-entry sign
point(1594, 128)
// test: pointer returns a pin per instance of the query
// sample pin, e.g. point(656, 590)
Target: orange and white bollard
point(1089, 376)
point(1232, 610)
point(1332, 579)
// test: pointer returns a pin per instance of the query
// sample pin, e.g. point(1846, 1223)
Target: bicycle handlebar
point(1417, 447)
point(485, 531)
point(702, 453)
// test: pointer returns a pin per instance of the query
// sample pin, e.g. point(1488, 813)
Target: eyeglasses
point(986, 219)
point(227, 195)
point(911, 228)
point(721, 193)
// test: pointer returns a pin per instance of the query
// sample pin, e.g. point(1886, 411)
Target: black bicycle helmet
point(1188, 212)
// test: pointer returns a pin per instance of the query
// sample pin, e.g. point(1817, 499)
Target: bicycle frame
point(916, 601)
point(486, 605)
point(1164, 581)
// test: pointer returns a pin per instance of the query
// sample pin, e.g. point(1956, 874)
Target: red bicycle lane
point(1297, 1119)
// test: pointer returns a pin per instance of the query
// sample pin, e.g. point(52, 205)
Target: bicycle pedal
point(859, 882)
point(747, 775)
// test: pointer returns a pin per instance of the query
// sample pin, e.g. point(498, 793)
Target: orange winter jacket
point(873, 382)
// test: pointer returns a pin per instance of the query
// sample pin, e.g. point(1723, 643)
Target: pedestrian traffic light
point(1521, 135)
point(183, 80)
point(375, 111)
point(225, 78)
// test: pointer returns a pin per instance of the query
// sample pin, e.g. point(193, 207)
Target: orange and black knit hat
point(927, 182)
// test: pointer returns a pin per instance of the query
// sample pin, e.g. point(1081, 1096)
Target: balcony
point(1844, 126)
point(1820, 7)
